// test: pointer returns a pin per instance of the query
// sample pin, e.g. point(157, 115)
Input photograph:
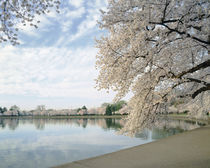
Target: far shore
point(66, 117)
point(117, 116)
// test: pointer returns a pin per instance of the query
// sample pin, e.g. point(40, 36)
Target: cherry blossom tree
point(156, 49)
point(20, 12)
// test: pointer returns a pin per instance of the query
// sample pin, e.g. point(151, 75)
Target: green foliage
point(108, 110)
point(104, 104)
point(111, 108)
point(84, 108)
point(12, 108)
point(78, 109)
point(111, 123)
point(3, 109)
point(186, 111)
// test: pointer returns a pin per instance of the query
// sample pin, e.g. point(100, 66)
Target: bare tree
point(154, 48)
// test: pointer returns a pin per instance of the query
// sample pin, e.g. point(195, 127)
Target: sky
point(55, 64)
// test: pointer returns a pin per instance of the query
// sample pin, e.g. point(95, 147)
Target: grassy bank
point(186, 117)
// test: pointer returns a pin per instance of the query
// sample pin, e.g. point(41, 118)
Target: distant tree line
point(112, 108)
point(3, 109)
point(40, 110)
point(83, 108)
point(13, 109)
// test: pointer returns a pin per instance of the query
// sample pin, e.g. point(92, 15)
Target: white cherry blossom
point(157, 49)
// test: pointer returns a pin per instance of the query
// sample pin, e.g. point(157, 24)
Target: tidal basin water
point(41, 143)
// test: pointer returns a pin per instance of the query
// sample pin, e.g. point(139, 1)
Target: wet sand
point(190, 149)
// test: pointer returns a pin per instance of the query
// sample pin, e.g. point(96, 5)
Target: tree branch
point(164, 11)
point(198, 81)
point(162, 23)
point(197, 92)
point(203, 65)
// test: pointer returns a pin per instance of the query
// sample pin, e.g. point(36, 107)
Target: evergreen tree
point(108, 110)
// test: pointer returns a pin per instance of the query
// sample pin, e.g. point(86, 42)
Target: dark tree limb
point(164, 23)
point(165, 9)
point(199, 81)
point(203, 65)
point(197, 92)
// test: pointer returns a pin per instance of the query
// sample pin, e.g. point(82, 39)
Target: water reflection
point(108, 123)
point(43, 143)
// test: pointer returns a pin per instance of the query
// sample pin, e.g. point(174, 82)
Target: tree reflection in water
point(48, 142)
point(164, 127)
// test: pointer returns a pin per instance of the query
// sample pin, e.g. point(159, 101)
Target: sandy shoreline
point(189, 149)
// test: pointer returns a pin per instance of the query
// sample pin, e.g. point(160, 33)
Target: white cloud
point(48, 72)
point(67, 17)
point(77, 13)
point(66, 25)
point(76, 3)
point(88, 25)
point(59, 70)
point(84, 28)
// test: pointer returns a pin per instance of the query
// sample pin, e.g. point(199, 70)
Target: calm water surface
point(41, 143)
